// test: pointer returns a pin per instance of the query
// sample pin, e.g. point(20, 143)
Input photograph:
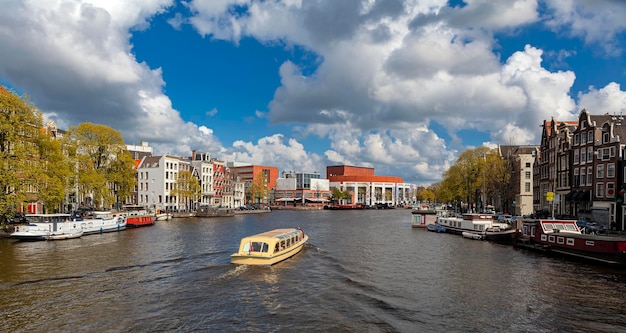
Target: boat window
point(258, 247)
point(559, 226)
point(548, 226)
point(288, 242)
point(276, 248)
point(282, 244)
point(570, 227)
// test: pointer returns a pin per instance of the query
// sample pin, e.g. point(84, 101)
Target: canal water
point(362, 271)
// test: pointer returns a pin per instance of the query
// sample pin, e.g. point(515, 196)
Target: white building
point(156, 178)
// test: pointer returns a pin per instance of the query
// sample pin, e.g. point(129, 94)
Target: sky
point(401, 86)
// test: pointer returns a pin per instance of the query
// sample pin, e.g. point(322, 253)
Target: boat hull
point(563, 238)
point(502, 236)
point(139, 221)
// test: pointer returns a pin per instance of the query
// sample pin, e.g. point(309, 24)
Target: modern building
point(251, 173)
point(368, 188)
point(301, 188)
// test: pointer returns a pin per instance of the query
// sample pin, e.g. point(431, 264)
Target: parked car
point(19, 218)
point(588, 227)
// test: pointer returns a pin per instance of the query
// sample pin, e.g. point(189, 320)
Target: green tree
point(102, 162)
point(20, 126)
point(476, 176)
point(187, 188)
point(258, 189)
point(51, 183)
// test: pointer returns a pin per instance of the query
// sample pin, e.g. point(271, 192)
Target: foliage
point(20, 126)
point(102, 161)
point(187, 187)
point(51, 183)
point(337, 194)
point(258, 189)
point(425, 194)
point(477, 175)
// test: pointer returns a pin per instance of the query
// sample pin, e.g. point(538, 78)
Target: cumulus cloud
point(387, 71)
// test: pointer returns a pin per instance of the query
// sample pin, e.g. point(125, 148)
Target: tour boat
point(103, 222)
point(420, 218)
point(47, 227)
point(270, 247)
point(137, 216)
point(564, 237)
point(482, 225)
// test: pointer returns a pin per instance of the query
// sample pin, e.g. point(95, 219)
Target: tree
point(102, 162)
point(258, 189)
point(20, 126)
point(187, 188)
point(51, 183)
point(476, 176)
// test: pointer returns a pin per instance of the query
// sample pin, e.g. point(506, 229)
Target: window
point(589, 176)
point(612, 151)
point(576, 139)
point(605, 137)
point(527, 175)
point(600, 171)
point(590, 136)
point(527, 186)
point(528, 164)
point(576, 158)
point(589, 154)
point(583, 156)
point(582, 176)
point(610, 170)
point(610, 190)
point(576, 178)
point(600, 190)
point(583, 137)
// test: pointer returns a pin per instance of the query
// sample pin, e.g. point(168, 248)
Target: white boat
point(47, 227)
point(270, 247)
point(162, 216)
point(472, 235)
point(478, 224)
point(103, 222)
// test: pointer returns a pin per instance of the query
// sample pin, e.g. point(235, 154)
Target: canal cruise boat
point(270, 247)
point(564, 237)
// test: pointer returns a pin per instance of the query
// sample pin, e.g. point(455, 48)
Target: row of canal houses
point(578, 170)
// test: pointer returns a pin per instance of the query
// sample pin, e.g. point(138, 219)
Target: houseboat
point(482, 225)
point(137, 216)
point(102, 222)
point(47, 227)
point(270, 247)
point(564, 237)
point(420, 218)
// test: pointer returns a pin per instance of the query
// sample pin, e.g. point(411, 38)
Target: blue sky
point(401, 86)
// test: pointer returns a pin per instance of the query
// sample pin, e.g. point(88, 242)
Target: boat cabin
point(422, 217)
point(271, 242)
point(544, 230)
point(468, 222)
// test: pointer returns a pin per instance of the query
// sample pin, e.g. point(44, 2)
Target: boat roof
point(273, 234)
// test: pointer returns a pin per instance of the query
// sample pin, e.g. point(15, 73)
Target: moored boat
point(473, 223)
point(47, 227)
point(137, 216)
point(161, 215)
point(435, 227)
point(473, 235)
point(102, 222)
point(564, 237)
point(270, 247)
point(420, 218)
point(506, 234)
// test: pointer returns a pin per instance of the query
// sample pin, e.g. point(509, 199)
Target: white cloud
point(387, 71)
